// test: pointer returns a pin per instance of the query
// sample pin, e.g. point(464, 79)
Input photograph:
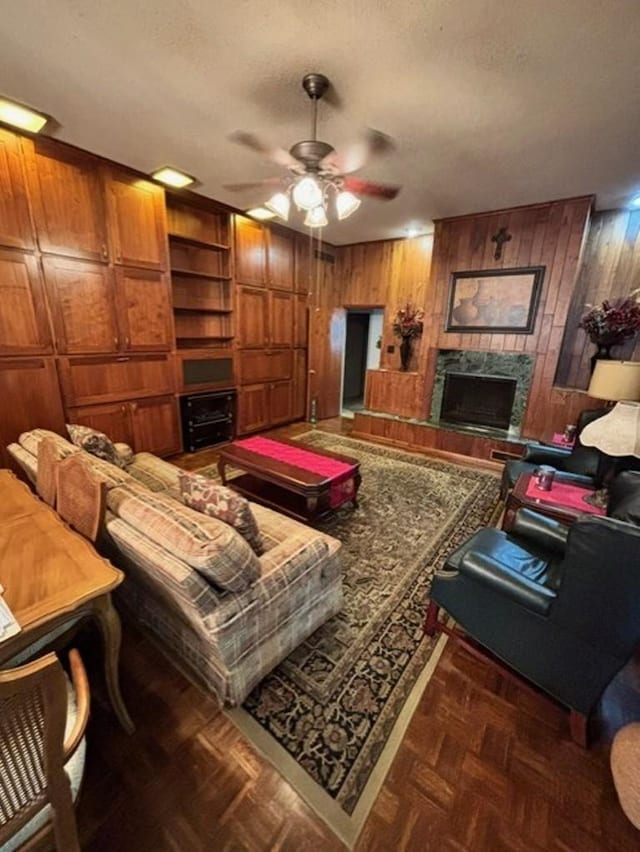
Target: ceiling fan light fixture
point(316, 217)
point(279, 204)
point(307, 193)
point(346, 204)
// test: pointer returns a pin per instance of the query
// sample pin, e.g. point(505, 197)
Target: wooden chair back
point(33, 715)
point(81, 496)
point(48, 458)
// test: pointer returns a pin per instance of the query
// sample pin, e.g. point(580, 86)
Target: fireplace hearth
point(477, 399)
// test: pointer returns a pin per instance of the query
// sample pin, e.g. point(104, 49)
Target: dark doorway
point(361, 353)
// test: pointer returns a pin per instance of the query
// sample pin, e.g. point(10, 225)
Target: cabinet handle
point(116, 342)
point(123, 358)
point(123, 408)
point(105, 253)
point(127, 342)
point(134, 406)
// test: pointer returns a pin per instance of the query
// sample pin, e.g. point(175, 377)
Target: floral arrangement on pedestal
point(406, 326)
point(611, 323)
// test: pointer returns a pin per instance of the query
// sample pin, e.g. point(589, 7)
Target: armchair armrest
point(544, 454)
point(541, 530)
point(490, 572)
point(83, 697)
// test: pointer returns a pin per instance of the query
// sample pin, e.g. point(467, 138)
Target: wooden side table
point(518, 499)
point(52, 576)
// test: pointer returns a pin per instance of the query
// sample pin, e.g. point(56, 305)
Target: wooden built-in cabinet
point(24, 329)
point(300, 321)
point(250, 259)
point(145, 424)
point(16, 230)
point(67, 197)
point(253, 317)
point(299, 390)
point(95, 379)
point(95, 308)
point(136, 220)
point(280, 319)
point(281, 260)
point(263, 405)
point(83, 307)
point(31, 397)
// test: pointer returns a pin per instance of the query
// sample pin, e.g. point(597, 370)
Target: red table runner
point(563, 494)
point(339, 473)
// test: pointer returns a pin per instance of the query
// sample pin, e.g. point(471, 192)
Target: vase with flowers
point(406, 326)
point(611, 323)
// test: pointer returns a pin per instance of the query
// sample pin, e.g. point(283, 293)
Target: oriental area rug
point(330, 718)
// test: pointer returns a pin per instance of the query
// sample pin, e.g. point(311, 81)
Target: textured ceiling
point(492, 103)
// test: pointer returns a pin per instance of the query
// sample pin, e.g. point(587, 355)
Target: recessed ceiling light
point(172, 177)
point(261, 213)
point(413, 232)
point(21, 116)
point(635, 201)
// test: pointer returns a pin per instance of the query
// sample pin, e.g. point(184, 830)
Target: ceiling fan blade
point(351, 159)
point(260, 146)
point(252, 184)
point(382, 191)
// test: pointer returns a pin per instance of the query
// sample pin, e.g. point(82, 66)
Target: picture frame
point(499, 301)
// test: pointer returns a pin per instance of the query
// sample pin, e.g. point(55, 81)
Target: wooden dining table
point(52, 577)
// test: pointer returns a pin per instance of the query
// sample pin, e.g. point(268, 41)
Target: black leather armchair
point(559, 605)
point(580, 464)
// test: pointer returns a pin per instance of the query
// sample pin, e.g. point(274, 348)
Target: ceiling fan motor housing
point(311, 152)
point(315, 85)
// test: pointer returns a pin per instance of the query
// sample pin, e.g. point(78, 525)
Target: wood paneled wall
point(610, 269)
point(386, 274)
point(550, 235)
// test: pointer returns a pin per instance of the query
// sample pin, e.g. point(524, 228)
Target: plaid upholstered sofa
point(227, 638)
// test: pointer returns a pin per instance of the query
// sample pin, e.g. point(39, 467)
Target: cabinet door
point(16, 229)
point(280, 319)
point(82, 305)
point(281, 402)
point(24, 328)
point(253, 408)
point(32, 386)
point(66, 192)
point(252, 318)
point(99, 379)
point(256, 366)
point(113, 419)
point(136, 221)
point(144, 310)
point(155, 426)
point(299, 403)
point(250, 252)
point(281, 260)
point(300, 321)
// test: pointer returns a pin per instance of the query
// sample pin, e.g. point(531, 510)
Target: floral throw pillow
point(94, 442)
point(206, 496)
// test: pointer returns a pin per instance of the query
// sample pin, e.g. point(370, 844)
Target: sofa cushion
point(209, 497)
point(155, 474)
point(30, 441)
point(94, 442)
point(124, 452)
point(210, 546)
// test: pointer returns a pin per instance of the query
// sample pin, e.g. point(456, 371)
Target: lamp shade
point(615, 380)
point(617, 433)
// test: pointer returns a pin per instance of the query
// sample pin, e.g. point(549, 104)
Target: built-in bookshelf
point(200, 259)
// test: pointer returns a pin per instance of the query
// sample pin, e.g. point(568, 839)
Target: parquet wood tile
point(484, 766)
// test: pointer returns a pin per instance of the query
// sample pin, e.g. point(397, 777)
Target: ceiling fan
point(317, 171)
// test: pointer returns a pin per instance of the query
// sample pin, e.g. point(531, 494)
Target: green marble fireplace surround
point(506, 364)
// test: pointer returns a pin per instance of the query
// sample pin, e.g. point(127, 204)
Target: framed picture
point(495, 300)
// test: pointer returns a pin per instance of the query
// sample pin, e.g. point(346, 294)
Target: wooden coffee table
point(289, 488)
point(519, 499)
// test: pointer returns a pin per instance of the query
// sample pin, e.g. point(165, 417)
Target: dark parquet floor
point(484, 766)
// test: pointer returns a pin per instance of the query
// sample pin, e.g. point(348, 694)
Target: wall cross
point(503, 236)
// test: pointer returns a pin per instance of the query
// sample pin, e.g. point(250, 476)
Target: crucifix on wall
point(503, 236)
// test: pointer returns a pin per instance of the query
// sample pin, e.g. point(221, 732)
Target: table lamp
point(617, 434)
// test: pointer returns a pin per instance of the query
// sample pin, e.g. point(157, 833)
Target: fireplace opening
point(477, 399)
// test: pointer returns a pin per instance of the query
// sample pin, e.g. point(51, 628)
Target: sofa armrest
point(540, 530)
point(504, 580)
point(293, 556)
point(544, 454)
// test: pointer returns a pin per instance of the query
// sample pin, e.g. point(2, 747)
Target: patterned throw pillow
point(206, 496)
point(94, 442)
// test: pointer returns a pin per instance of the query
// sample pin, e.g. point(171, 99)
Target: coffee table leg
point(357, 479)
point(109, 624)
point(222, 466)
point(312, 507)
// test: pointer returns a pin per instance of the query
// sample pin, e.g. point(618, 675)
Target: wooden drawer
point(94, 379)
point(260, 366)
